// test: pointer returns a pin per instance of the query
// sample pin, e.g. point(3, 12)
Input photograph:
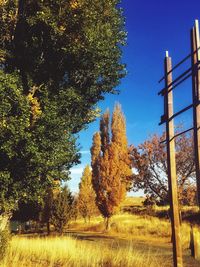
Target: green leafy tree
point(29, 160)
point(86, 198)
point(61, 211)
point(27, 211)
point(82, 41)
point(111, 165)
point(64, 57)
point(14, 135)
point(47, 208)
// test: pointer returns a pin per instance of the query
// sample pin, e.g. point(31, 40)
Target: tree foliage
point(111, 166)
point(57, 60)
point(47, 208)
point(82, 41)
point(86, 197)
point(150, 164)
point(30, 158)
point(27, 211)
point(61, 210)
point(14, 136)
point(104, 130)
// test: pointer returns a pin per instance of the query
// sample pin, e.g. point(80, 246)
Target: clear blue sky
point(153, 27)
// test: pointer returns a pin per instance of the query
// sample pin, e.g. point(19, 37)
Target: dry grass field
point(133, 201)
point(130, 227)
point(66, 251)
point(133, 240)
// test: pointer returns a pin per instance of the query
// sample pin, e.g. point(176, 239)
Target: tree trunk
point(107, 224)
point(4, 220)
point(61, 231)
point(48, 228)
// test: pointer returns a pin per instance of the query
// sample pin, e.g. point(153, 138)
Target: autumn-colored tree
point(119, 139)
point(111, 168)
point(104, 129)
point(95, 161)
point(189, 195)
point(150, 164)
point(86, 198)
point(75, 210)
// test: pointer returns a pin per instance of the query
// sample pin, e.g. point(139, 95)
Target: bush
point(4, 242)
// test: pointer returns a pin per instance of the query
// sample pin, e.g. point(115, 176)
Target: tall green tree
point(111, 165)
point(14, 135)
point(47, 208)
point(61, 211)
point(65, 55)
point(55, 43)
point(30, 159)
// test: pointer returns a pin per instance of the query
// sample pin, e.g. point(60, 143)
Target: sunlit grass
point(120, 250)
point(135, 226)
point(133, 201)
point(65, 251)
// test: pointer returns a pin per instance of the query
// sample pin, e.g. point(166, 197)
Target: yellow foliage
point(96, 148)
point(3, 123)
point(74, 4)
point(2, 2)
point(86, 196)
point(111, 163)
point(35, 106)
point(56, 189)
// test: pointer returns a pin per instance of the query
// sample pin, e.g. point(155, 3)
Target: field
point(134, 240)
point(68, 251)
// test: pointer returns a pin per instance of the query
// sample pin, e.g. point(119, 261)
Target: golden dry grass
point(65, 251)
point(126, 229)
point(135, 226)
point(133, 201)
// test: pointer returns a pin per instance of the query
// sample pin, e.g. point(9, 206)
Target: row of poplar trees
point(111, 166)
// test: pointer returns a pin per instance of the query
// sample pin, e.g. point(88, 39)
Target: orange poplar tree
point(104, 130)
point(111, 165)
point(86, 197)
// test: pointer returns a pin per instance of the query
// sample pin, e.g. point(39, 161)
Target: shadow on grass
point(153, 248)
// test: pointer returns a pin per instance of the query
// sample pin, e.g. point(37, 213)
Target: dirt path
point(154, 248)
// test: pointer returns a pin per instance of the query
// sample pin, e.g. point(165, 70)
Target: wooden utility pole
point(195, 49)
point(172, 177)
